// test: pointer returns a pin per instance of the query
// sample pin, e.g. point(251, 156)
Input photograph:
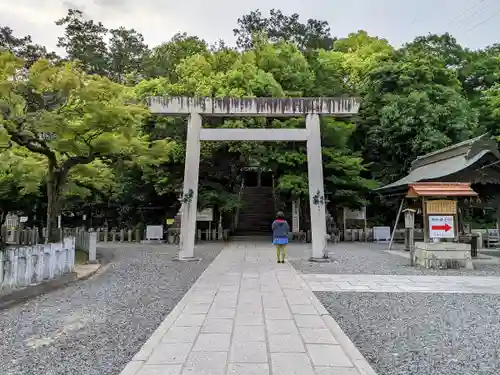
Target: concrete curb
point(87, 274)
point(22, 295)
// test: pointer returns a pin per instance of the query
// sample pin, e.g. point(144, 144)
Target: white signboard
point(154, 232)
point(381, 234)
point(205, 215)
point(441, 227)
point(355, 215)
point(23, 219)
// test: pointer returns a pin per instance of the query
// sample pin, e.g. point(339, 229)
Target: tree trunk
point(498, 215)
point(54, 184)
point(3, 217)
point(173, 210)
point(39, 222)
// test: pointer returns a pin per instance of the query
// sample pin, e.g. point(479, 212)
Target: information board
point(355, 214)
point(204, 215)
point(441, 226)
point(154, 232)
point(381, 234)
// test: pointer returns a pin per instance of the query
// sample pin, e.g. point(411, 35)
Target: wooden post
point(412, 246)
point(426, 223)
point(396, 223)
point(344, 223)
point(366, 226)
point(407, 239)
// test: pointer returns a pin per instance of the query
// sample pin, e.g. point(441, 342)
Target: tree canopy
point(80, 118)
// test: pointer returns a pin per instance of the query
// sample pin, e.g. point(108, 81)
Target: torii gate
point(196, 108)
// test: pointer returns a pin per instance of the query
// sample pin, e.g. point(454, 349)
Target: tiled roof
point(447, 163)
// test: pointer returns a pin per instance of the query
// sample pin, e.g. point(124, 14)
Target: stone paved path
point(247, 315)
point(402, 283)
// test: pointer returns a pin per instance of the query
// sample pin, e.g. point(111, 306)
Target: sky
point(475, 23)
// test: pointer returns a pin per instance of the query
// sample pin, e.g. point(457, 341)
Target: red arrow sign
point(444, 227)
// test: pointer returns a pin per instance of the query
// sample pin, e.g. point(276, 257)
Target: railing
point(27, 265)
point(24, 237)
point(362, 235)
point(27, 236)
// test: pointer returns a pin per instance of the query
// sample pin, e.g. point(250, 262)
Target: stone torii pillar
point(316, 187)
point(189, 198)
point(311, 108)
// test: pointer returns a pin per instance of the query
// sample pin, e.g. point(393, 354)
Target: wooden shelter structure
point(467, 169)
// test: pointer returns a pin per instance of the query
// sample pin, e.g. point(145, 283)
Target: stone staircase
point(257, 215)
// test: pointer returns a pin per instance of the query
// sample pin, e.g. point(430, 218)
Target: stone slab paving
point(247, 315)
point(402, 283)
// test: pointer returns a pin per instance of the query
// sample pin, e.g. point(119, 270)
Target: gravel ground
point(493, 253)
point(95, 327)
point(371, 259)
point(421, 334)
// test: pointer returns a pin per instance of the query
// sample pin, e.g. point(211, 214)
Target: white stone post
point(296, 215)
point(190, 191)
point(92, 247)
point(316, 188)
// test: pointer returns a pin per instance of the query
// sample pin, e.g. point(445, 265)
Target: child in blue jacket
point(280, 236)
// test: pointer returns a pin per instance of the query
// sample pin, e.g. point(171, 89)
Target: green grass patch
point(81, 257)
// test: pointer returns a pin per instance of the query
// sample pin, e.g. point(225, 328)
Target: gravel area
point(371, 259)
point(95, 327)
point(493, 253)
point(421, 334)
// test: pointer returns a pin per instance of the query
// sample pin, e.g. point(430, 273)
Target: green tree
point(278, 27)
point(480, 73)
point(442, 47)
point(68, 117)
point(411, 105)
point(23, 47)
point(164, 58)
point(127, 53)
point(361, 54)
point(20, 177)
point(287, 65)
point(491, 99)
point(84, 40)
